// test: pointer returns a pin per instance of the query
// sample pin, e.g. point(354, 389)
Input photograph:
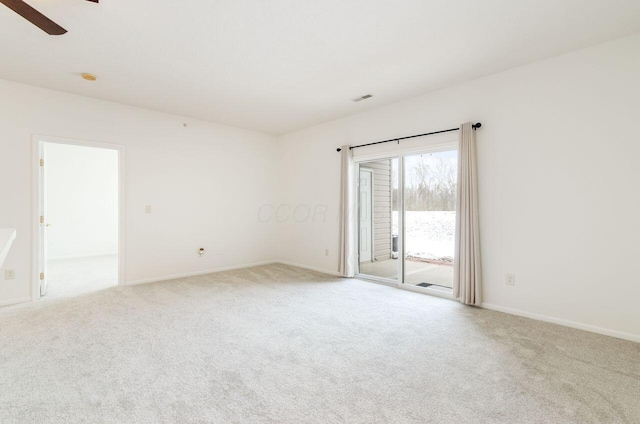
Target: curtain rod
point(475, 127)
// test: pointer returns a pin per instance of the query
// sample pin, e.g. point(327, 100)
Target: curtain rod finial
point(338, 149)
point(476, 126)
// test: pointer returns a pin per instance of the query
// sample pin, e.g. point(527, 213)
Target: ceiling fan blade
point(35, 17)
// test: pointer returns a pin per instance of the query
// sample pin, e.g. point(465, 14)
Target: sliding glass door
point(378, 219)
point(406, 225)
point(430, 183)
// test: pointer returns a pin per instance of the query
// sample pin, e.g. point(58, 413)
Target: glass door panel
point(430, 184)
point(378, 185)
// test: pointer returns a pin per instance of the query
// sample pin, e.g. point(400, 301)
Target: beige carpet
point(277, 344)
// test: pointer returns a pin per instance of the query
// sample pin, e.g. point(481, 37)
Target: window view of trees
point(430, 184)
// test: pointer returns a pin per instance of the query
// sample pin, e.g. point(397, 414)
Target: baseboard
point(193, 274)
point(15, 301)
point(564, 322)
point(310, 268)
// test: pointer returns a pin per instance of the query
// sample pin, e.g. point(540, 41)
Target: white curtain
point(467, 277)
point(347, 243)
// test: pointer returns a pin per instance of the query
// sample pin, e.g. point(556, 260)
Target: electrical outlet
point(9, 274)
point(511, 279)
point(326, 252)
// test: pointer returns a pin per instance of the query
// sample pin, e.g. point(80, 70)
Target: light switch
point(147, 209)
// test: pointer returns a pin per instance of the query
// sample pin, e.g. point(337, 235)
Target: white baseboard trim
point(227, 268)
point(310, 268)
point(564, 322)
point(15, 301)
point(193, 274)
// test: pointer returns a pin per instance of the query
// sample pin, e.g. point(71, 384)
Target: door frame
point(400, 154)
point(37, 177)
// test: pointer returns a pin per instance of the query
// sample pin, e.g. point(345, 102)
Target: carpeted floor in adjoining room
point(277, 344)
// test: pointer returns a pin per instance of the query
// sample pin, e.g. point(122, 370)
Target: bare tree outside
point(430, 185)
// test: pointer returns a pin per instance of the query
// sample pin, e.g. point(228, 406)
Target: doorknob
point(48, 225)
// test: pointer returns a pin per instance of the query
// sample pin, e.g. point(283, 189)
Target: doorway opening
point(378, 219)
point(407, 213)
point(79, 189)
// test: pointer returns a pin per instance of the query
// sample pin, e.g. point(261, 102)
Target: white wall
point(205, 183)
point(558, 155)
point(81, 200)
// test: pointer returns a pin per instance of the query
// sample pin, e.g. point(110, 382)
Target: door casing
point(38, 259)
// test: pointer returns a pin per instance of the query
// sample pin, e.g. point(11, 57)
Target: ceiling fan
point(35, 17)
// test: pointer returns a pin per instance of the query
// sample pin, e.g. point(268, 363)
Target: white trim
point(428, 291)
point(444, 144)
point(15, 301)
point(195, 273)
point(564, 322)
point(36, 141)
point(402, 263)
point(35, 218)
point(310, 268)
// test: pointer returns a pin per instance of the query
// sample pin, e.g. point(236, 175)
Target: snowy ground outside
point(430, 234)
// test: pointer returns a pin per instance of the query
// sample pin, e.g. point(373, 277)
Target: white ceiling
point(281, 65)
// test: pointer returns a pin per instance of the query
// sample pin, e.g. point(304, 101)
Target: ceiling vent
point(365, 97)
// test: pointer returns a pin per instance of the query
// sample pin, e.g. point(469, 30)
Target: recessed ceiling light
point(361, 98)
point(89, 77)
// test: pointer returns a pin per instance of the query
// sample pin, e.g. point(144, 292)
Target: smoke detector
point(361, 98)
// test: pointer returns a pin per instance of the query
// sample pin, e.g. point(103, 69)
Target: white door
point(366, 215)
point(43, 223)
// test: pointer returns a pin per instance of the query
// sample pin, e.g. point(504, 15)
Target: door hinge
point(41, 162)
point(41, 219)
point(42, 275)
